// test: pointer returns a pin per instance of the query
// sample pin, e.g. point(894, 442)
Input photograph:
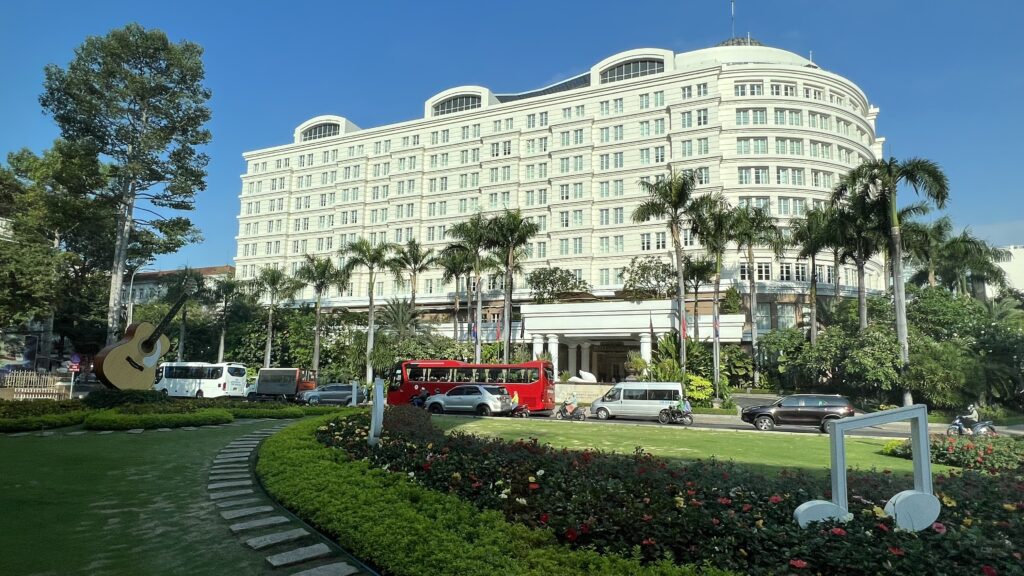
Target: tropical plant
point(648, 277)
point(549, 285)
point(375, 258)
point(812, 234)
point(320, 274)
point(507, 236)
point(857, 228)
point(401, 318)
point(456, 265)
point(185, 283)
point(411, 260)
point(879, 181)
point(671, 199)
point(471, 241)
point(711, 219)
point(754, 227)
point(273, 286)
point(699, 271)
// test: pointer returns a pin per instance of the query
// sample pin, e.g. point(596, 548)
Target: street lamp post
point(131, 295)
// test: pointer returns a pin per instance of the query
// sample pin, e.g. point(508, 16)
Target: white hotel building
point(762, 125)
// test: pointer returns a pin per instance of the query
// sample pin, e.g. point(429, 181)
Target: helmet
point(970, 407)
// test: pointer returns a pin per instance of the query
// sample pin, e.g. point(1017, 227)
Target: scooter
point(520, 411)
point(570, 411)
point(673, 415)
point(960, 427)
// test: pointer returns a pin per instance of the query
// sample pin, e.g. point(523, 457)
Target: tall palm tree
point(857, 228)
point(967, 263)
point(275, 286)
point(401, 318)
point(471, 241)
point(711, 221)
point(755, 227)
point(812, 234)
point(881, 180)
point(362, 253)
point(229, 294)
point(456, 265)
point(924, 242)
point(699, 271)
point(185, 280)
point(411, 260)
point(507, 236)
point(672, 199)
point(320, 274)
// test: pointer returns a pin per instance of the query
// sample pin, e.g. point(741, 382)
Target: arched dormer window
point(456, 104)
point(325, 130)
point(632, 69)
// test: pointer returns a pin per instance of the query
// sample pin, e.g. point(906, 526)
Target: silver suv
point(483, 400)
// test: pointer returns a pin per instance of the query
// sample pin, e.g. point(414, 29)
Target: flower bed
point(115, 420)
point(706, 511)
point(989, 453)
point(404, 528)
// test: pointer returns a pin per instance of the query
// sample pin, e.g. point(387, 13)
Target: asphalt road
point(740, 425)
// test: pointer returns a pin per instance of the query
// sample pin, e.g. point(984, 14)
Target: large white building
point(762, 125)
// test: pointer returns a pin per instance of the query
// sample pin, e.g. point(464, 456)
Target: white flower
point(503, 496)
point(521, 501)
point(412, 474)
point(540, 472)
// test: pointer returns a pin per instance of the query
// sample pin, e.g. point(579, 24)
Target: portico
point(597, 336)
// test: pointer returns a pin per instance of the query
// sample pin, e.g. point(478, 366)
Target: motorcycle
point(673, 415)
point(520, 411)
point(570, 411)
point(961, 427)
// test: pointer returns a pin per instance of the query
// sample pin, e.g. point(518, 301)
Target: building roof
point(206, 272)
point(740, 41)
point(581, 81)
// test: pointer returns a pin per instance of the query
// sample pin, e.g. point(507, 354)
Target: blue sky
point(946, 74)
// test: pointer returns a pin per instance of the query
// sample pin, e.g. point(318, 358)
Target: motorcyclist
point(570, 403)
point(971, 417)
point(684, 405)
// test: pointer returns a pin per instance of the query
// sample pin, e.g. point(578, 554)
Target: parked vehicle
point(520, 411)
point(335, 393)
point(968, 425)
point(570, 411)
point(533, 381)
point(482, 400)
point(201, 380)
point(637, 400)
point(281, 383)
point(799, 410)
point(673, 415)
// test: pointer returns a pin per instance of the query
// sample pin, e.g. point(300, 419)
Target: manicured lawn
point(767, 451)
point(116, 504)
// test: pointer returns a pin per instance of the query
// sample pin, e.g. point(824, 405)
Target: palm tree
point(411, 260)
point(507, 236)
point(812, 234)
point(699, 271)
point(924, 242)
point(191, 281)
point(881, 179)
point(967, 263)
point(858, 231)
point(401, 317)
point(374, 258)
point(228, 293)
point(754, 227)
point(711, 220)
point(320, 274)
point(471, 241)
point(672, 199)
point(276, 286)
point(455, 265)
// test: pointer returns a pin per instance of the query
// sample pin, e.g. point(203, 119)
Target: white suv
point(483, 400)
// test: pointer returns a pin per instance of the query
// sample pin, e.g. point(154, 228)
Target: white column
point(574, 350)
point(553, 350)
point(645, 346)
point(538, 346)
point(586, 357)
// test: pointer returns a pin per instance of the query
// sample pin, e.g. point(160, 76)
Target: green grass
point(116, 504)
point(768, 452)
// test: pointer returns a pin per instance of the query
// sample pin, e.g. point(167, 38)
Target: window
point(633, 69)
point(702, 117)
point(787, 316)
point(659, 241)
point(577, 245)
point(319, 131)
point(800, 272)
point(618, 105)
point(786, 272)
point(686, 120)
point(764, 317)
point(645, 242)
point(743, 175)
point(764, 271)
point(703, 175)
point(686, 148)
point(456, 104)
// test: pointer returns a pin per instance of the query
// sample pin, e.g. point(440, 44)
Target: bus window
point(464, 374)
point(213, 373)
point(532, 375)
point(440, 374)
point(236, 370)
point(416, 374)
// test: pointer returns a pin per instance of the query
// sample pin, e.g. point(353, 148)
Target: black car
point(799, 410)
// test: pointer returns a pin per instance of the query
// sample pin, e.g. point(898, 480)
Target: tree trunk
point(681, 303)
point(900, 300)
point(696, 314)
point(931, 274)
point(369, 336)
point(479, 318)
point(506, 328)
point(220, 346)
point(814, 300)
point(270, 334)
point(834, 303)
point(835, 276)
point(715, 329)
point(862, 295)
point(753, 313)
point(316, 341)
point(455, 315)
point(124, 229)
point(412, 297)
point(181, 334)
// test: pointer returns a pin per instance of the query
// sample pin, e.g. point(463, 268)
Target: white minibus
point(201, 380)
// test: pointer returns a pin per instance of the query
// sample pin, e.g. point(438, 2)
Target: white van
point(637, 400)
point(201, 380)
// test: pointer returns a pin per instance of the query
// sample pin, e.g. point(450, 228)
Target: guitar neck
point(165, 321)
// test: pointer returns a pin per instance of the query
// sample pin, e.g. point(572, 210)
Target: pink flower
point(724, 501)
point(837, 531)
point(543, 518)
point(896, 550)
point(648, 541)
point(715, 521)
point(534, 486)
point(883, 527)
point(775, 499)
point(939, 527)
point(747, 507)
point(989, 571)
point(571, 535)
point(797, 563)
point(646, 517)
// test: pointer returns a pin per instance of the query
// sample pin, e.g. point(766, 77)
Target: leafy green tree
point(320, 274)
point(507, 235)
point(138, 99)
point(872, 362)
point(671, 199)
point(857, 227)
point(401, 318)
point(942, 315)
point(273, 286)
point(549, 285)
point(363, 254)
point(782, 350)
point(732, 301)
point(411, 260)
point(648, 277)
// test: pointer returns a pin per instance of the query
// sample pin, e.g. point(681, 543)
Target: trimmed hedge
point(27, 408)
point(288, 412)
point(28, 423)
point(406, 529)
point(114, 420)
point(112, 398)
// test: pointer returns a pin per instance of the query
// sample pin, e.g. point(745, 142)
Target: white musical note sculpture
point(376, 413)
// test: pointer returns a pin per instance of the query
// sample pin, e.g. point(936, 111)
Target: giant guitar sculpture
point(130, 363)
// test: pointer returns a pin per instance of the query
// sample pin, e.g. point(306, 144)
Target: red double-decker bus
point(534, 380)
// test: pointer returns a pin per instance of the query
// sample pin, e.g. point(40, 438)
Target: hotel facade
point(761, 125)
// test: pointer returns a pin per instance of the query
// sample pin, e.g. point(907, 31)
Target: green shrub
point(320, 410)
point(25, 408)
point(402, 527)
point(991, 453)
point(287, 412)
point(114, 398)
point(115, 420)
point(28, 423)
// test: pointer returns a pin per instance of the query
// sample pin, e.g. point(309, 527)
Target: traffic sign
point(75, 367)
point(76, 359)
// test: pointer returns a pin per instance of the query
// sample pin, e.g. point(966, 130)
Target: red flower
point(585, 528)
point(646, 517)
point(724, 501)
point(775, 499)
point(989, 571)
point(426, 466)
point(747, 507)
point(797, 563)
point(534, 486)
point(837, 531)
point(477, 485)
point(571, 535)
point(949, 450)
point(648, 541)
point(939, 527)
point(715, 521)
point(544, 518)
point(883, 527)
point(896, 550)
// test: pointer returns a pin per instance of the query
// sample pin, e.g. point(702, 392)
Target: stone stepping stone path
point(261, 524)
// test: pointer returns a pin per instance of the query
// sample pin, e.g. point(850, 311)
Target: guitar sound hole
point(147, 347)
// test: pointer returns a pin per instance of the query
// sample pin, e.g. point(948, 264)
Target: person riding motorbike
point(570, 403)
point(971, 417)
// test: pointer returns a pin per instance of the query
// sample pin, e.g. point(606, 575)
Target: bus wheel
point(199, 394)
point(164, 391)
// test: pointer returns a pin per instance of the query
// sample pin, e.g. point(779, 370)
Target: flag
point(682, 318)
point(522, 328)
point(650, 324)
point(499, 328)
point(473, 331)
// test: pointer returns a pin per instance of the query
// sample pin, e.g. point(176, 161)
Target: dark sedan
point(799, 410)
